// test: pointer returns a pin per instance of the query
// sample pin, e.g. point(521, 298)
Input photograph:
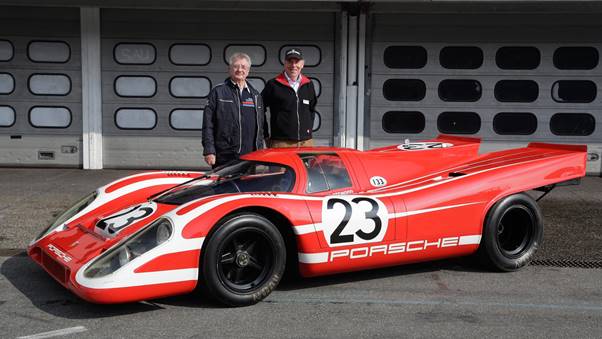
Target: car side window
point(325, 172)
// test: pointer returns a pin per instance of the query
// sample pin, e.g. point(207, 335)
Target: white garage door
point(158, 68)
point(40, 87)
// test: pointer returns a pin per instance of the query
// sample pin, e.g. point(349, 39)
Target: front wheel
point(512, 233)
point(244, 260)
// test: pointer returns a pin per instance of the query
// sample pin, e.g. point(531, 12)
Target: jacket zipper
point(298, 120)
point(257, 121)
point(239, 120)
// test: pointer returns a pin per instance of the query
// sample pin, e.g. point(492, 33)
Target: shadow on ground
point(49, 296)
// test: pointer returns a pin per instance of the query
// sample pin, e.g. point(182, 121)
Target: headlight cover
point(139, 243)
point(70, 212)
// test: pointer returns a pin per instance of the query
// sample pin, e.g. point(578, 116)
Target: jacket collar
point(281, 78)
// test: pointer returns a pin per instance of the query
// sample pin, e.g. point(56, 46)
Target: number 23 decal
point(350, 220)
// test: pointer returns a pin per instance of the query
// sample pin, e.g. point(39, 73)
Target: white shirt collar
point(293, 83)
point(241, 89)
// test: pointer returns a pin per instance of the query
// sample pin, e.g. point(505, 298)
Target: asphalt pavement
point(448, 298)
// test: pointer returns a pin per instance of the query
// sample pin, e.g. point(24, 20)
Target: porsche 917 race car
point(317, 211)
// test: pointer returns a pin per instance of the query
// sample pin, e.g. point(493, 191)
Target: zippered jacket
point(291, 114)
point(222, 134)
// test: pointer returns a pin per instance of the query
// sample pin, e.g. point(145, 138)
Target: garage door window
point(257, 53)
point(7, 51)
point(7, 83)
point(189, 54)
point(186, 119)
point(134, 53)
point(7, 116)
point(576, 58)
point(574, 91)
point(516, 91)
point(518, 57)
point(135, 86)
point(461, 57)
point(405, 122)
point(515, 123)
point(189, 87)
point(311, 54)
point(49, 84)
point(404, 89)
point(257, 83)
point(405, 57)
point(576, 124)
point(317, 86)
point(460, 90)
point(49, 51)
point(50, 117)
point(136, 118)
point(459, 122)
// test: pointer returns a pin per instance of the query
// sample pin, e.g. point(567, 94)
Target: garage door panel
point(150, 37)
point(46, 98)
point(541, 103)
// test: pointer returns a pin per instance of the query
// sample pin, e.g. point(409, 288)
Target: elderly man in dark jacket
point(234, 116)
point(291, 99)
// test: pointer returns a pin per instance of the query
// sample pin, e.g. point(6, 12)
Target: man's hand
point(210, 159)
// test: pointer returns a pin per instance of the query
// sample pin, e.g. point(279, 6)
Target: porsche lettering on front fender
point(233, 230)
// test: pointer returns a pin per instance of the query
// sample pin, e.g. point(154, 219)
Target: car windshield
point(235, 177)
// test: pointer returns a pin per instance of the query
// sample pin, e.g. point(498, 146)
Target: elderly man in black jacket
point(234, 116)
point(291, 99)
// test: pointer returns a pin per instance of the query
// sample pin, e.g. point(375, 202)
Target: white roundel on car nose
point(349, 220)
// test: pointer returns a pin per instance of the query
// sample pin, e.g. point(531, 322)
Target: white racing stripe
point(420, 188)
point(468, 167)
point(470, 240)
point(311, 228)
point(56, 333)
point(313, 258)
point(322, 257)
point(408, 213)
point(305, 229)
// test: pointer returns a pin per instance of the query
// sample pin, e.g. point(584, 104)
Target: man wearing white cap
point(291, 99)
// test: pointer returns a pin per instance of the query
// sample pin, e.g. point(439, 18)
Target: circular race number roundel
point(377, 181)
point(350, 220)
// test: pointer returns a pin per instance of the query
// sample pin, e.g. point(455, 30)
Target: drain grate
point(567, 263)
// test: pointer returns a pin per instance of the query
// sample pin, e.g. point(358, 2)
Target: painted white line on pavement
point(56, 333)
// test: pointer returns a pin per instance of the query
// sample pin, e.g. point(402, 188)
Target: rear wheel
point(512, 233)
point(244, 260)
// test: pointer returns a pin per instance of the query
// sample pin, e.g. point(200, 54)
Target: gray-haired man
point(234, 116)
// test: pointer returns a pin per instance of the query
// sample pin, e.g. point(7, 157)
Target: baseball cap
point(293, 53)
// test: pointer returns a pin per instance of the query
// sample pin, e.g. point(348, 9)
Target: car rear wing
point(572, 148)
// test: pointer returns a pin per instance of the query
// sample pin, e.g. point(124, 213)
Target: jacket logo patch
point(305, 101)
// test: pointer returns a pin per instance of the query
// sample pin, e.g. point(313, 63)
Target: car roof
point(283, 155)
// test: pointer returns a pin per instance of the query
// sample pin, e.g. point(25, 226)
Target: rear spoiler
point(441, 137)
point(574, 148)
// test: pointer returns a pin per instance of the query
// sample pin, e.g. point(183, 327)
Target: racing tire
point(512, 233)
point(243, 260)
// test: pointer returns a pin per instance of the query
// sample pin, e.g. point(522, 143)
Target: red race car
point(318, 211)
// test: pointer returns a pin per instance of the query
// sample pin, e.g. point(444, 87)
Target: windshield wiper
point(204, 176)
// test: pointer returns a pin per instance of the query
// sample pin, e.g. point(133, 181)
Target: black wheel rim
point(245, 260)
point(514, 233)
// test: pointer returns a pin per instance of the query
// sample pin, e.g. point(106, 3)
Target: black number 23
point(336, 237)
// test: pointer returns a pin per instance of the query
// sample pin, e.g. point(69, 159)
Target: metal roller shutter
point(506, 80)
point(157, 66)
point(40, 87)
